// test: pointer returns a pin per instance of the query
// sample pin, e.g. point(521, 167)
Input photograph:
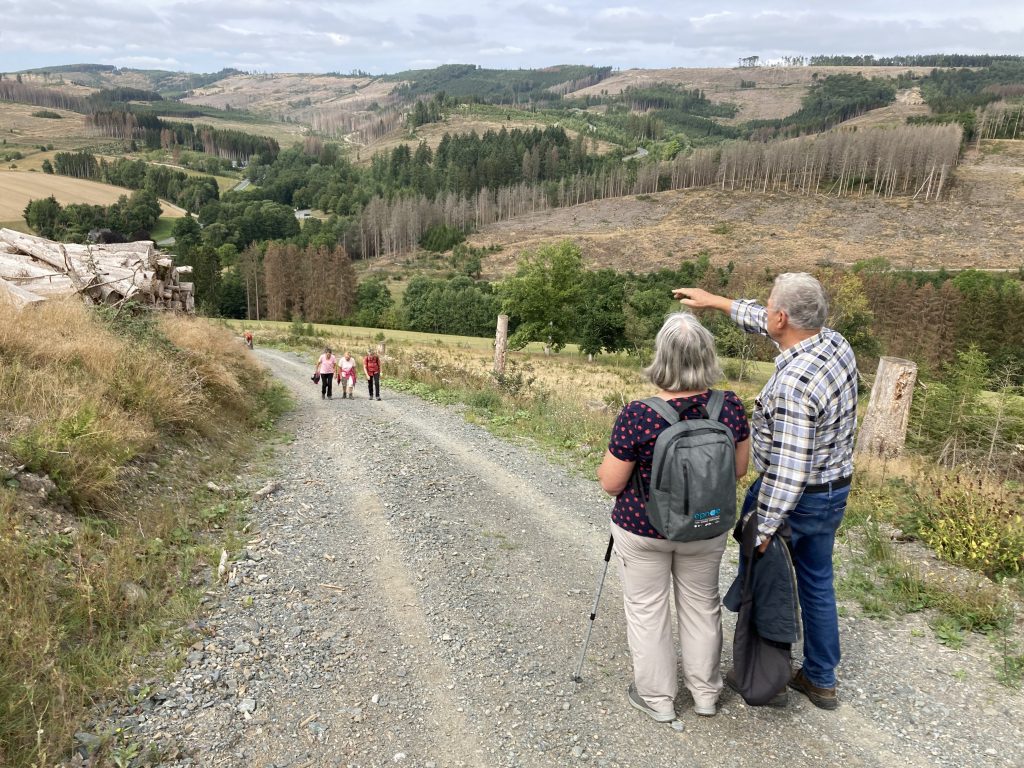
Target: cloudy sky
point(388, 36)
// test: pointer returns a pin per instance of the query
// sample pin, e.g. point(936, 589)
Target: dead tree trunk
point(884, 429)
point(500, 344)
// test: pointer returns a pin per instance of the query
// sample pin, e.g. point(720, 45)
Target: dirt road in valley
point(416, 592)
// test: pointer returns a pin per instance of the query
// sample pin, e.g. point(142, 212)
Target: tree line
point(157, 133)
point(912, 60)
point(188, 192)
point(132, 218)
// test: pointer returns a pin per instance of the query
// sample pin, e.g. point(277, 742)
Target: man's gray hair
point(684, 356)
point(802, 298)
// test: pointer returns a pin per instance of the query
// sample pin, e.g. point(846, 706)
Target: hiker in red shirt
point(371, 367)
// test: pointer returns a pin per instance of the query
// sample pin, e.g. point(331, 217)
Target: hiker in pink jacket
point(325, 367)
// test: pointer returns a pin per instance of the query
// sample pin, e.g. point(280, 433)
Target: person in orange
point(325, 367)
point(371, 367)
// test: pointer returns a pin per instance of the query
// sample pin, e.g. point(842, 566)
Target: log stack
point(33, 269)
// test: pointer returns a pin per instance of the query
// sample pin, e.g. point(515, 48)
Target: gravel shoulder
point(416, 592)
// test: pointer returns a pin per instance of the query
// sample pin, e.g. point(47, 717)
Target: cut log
point(17, 296)
point(98, 273)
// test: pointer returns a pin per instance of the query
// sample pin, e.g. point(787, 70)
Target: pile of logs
point(34, 269)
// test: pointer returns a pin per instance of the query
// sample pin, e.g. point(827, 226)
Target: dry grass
point(19, 127)
point(92, 404)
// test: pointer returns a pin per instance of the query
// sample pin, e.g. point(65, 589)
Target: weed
point(949, 632)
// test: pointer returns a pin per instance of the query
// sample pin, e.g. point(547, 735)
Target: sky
point(380, 36)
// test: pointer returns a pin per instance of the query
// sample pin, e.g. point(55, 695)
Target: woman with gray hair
point(654, 570)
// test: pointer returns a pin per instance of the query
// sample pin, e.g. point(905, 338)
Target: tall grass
point(128, 416)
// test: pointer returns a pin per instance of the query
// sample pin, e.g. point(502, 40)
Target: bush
point(969, 522)
point(440, 238)
point(48, 114)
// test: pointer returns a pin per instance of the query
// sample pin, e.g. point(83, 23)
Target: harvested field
point(17, 119)
point(777, 93)
point(17, 188)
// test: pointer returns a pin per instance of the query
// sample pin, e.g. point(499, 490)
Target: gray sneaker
point(637, 701)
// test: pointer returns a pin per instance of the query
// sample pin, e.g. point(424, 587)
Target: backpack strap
point(715, 402)
point(663, 409)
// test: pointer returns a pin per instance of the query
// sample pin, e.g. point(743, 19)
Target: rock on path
point(415, 593)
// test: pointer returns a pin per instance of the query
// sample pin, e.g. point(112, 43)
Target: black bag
point(693, 474)
point(761, 667)
point(316, 378)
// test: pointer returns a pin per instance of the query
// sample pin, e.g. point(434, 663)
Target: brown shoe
point(823, 698)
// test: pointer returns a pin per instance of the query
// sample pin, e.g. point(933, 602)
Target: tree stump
point(500, 344)
point(883, 432)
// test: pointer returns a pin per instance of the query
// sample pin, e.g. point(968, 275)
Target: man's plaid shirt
point(803, 421)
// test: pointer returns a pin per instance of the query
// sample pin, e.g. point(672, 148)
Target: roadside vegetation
point(108, 531)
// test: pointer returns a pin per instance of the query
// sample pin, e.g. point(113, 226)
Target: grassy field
point(17, 188)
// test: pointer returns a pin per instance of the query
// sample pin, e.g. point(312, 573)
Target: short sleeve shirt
point(633, 437)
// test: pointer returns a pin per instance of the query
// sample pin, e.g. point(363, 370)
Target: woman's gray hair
point(684, 356)
point(802, 298)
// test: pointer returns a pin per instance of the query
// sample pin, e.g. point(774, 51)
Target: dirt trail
point(416, 594)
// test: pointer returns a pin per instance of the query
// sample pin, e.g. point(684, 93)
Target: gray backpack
point(693, 476)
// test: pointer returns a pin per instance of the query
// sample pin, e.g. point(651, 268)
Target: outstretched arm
point(698, 298)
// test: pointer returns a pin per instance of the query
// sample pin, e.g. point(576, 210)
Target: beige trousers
point(651, 571)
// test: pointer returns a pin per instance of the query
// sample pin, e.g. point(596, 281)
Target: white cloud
point(391, 35)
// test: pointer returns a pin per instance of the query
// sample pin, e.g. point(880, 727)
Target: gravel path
point(416, 593)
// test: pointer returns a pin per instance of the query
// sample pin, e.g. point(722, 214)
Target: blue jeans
point(813, 525)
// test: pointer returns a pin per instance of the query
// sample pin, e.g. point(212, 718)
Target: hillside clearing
point(777, 93)
point(287, 94)
point(981, 225)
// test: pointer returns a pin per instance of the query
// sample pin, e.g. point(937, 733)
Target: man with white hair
point(802, 430)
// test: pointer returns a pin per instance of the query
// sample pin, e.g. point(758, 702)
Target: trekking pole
point(593, 611)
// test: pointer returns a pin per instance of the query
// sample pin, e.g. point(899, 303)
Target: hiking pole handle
point(593, 611)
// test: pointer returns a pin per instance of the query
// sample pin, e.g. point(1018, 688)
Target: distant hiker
point(803, 428)
point(652, 568)
point(371, 368)
point(347, 375)
point(325, 367)
point(248, 339)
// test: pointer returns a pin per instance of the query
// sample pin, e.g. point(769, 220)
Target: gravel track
point(416, 593)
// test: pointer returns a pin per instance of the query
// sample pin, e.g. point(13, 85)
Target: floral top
point(633, 437)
